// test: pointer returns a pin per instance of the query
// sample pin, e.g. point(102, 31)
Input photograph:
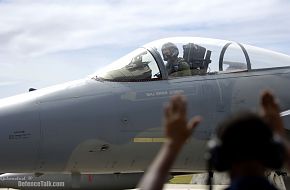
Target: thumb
point(193, 123)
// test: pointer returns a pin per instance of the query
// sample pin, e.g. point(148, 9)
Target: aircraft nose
point(19, 135)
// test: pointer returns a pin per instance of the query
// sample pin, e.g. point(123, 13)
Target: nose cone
point(19, 135)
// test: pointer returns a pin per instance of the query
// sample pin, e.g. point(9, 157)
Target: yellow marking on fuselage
point(181, 179)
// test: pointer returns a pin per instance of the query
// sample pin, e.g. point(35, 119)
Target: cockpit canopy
point(190, 56)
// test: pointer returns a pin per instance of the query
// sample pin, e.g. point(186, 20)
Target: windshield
point(138, 65)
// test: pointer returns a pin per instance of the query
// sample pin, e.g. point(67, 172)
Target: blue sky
point(53, 41)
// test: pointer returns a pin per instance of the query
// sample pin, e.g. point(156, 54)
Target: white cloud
point(38, 28)
point(8, 83)
point(54, 33)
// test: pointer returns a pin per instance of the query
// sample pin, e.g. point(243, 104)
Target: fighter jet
point(111, 121)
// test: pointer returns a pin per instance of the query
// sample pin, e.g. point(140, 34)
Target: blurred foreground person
point(177, 131)
point(246, 146)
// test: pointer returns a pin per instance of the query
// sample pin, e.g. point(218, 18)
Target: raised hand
point(177, 129)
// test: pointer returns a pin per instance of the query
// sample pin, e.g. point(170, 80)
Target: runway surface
point(191, 187)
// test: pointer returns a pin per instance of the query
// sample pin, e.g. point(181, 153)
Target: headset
point(245, 136)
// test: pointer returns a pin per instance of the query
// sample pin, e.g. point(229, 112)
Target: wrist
point(175, 145)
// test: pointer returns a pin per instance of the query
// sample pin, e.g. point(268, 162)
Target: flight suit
point(178, 68)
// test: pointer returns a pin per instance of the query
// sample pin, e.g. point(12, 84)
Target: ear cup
point(218, 159)
point(275, 155)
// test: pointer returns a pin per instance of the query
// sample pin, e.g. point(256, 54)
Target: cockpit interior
point(190, 57)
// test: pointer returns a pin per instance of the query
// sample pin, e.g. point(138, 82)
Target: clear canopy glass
point(199, 56)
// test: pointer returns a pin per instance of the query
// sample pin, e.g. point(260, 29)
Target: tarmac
point(191, 187)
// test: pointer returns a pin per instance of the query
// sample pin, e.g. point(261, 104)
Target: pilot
point(175, 66)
